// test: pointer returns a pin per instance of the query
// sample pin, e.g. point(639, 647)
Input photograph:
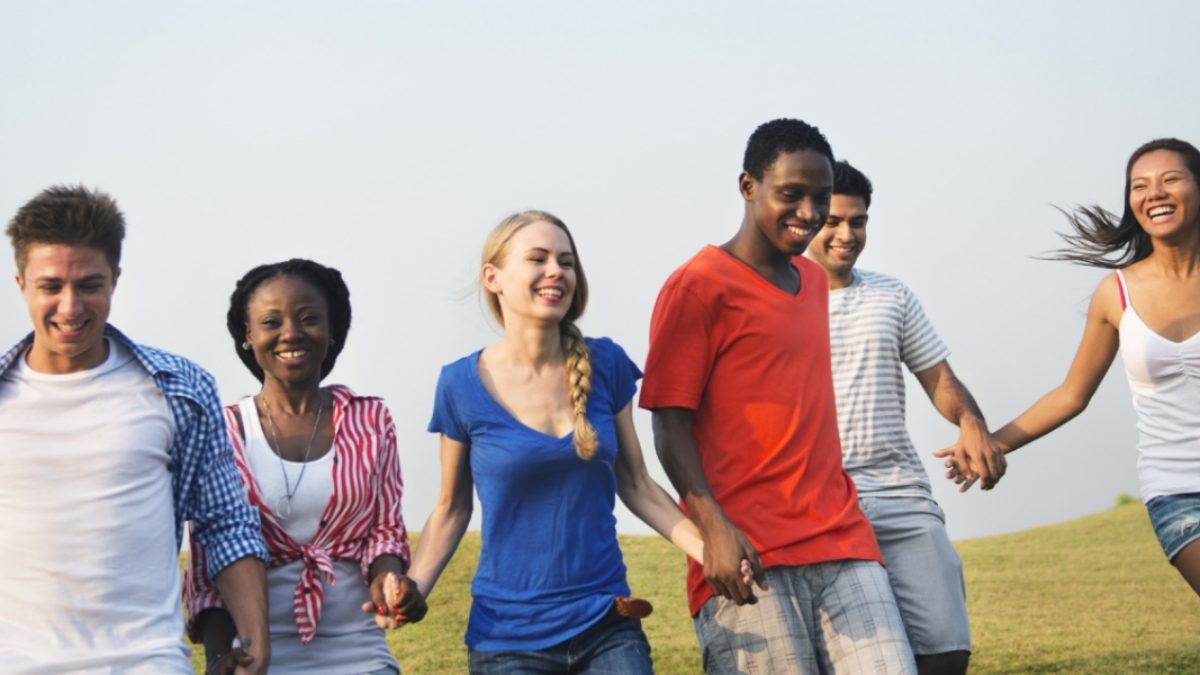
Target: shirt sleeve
point(222, 520)
point(920, 346)
point(682, 349)
point(622, 374)
point(446, 419)
point(199, 591)
point(389, 536)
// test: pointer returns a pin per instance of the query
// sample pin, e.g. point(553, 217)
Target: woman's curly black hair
point(325, 279)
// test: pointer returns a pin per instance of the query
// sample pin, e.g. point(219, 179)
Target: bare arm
point(1096, 351)
point(445, 527)
point(725, 546)
point(646, 498)
point(243, 587)
point(975, 454)
point(385, 557)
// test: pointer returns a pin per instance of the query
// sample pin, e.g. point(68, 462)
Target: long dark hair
point(1098, 239)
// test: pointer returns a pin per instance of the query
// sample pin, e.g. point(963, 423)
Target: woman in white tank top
point(321, 466)
point(1150, 309)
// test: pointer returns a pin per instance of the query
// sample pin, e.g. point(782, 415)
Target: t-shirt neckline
point(487, 395)
point(118, 355)
point(746, 269)
point(855, 281)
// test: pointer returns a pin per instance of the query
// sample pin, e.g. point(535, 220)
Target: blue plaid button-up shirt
point(204, 480)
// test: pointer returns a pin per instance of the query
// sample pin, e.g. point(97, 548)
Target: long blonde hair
point(578, 359)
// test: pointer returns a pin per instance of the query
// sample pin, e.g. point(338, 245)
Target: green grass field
point(1093, 595)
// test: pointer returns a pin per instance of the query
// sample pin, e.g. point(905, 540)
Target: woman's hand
point(395, 600)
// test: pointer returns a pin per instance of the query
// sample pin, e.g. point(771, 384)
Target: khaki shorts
point(925, 571)
point(832, 617)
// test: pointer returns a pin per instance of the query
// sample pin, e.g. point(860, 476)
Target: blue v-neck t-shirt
point(550, 566)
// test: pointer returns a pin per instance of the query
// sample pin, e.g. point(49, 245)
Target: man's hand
point(243, 587)
point(227, 664)
point(395, 601)
point(952, 472)
point(731, 563)
point(975, 456)
point(239, 661)
point(727, 551)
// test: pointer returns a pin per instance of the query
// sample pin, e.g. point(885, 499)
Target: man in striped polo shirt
point(876, 325)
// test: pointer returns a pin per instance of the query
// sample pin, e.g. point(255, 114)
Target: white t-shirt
point(88, 561)
point(875, 325)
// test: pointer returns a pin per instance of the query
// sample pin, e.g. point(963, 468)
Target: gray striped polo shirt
point(875, 324)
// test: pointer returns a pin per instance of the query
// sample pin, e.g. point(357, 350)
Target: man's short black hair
point(779, 136)
point(848, 180)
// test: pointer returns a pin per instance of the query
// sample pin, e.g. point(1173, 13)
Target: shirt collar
point(151, 361)
point(10, 357)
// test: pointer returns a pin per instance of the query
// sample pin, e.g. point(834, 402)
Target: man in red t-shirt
point(739, 379)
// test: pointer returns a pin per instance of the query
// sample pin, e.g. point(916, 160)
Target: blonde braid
point(579, 386)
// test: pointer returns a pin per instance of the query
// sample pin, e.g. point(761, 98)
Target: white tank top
point(1164, 377)
point(310, 496)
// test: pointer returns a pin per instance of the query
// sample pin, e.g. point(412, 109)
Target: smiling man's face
point(68, 290)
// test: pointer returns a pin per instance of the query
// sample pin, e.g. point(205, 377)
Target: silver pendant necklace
point(283, 507)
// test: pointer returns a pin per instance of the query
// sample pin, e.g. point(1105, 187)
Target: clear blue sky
point(387, 138)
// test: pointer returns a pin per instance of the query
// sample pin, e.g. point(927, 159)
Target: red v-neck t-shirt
point(752, 363)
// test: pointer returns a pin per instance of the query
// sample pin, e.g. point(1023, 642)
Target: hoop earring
point(245, 345)
point(332, 342)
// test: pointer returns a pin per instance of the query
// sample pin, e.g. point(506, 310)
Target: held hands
point(395, 601)
point(238, 661)
point(731, 564)
point(974, 457)
point(748, 573)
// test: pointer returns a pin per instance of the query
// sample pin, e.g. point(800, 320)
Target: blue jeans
point(614, 645)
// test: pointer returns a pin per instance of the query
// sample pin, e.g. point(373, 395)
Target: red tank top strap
point(1122, 290)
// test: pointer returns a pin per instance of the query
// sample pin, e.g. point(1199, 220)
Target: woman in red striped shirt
point(321, 465)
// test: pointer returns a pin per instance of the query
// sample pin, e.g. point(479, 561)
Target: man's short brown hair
point(68, 214)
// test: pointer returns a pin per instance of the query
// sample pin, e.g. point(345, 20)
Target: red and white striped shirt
point(361, 522)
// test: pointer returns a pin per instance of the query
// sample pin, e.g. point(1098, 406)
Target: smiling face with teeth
point(68, 290)
point(1163, 195)
point(837, 245)
point(287, 326)
point(536, 275)
point(790, 203)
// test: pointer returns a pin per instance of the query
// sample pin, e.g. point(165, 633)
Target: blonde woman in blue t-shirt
point(540, 423)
